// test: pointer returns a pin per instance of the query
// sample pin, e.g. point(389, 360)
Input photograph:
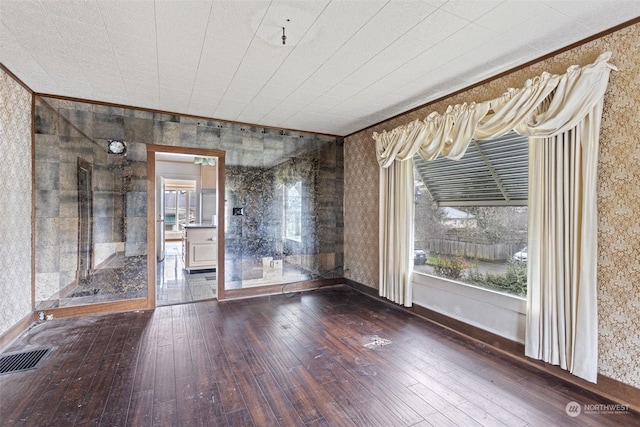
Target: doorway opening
point(186, 238)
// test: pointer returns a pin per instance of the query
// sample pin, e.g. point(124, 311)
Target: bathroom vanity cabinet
point(199, 247)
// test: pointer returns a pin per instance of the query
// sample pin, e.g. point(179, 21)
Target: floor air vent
point(22, 361)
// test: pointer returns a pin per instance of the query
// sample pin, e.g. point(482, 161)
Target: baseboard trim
point(99, 308)
point(14, 332)
point(285, 288)
point(609, 389)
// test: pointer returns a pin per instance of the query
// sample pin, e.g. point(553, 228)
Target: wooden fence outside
point(480, 251)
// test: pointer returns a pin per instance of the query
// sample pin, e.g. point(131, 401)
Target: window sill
point(500, 313)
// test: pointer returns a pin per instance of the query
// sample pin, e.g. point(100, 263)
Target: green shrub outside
point(457, 267)
point(513, 281)
point(451, 266)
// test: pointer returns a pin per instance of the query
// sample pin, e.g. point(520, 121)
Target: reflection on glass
point(90, 226)
point(293, 211)
point(291, 208)
point(85, 209)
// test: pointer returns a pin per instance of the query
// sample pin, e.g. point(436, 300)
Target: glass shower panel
point(283, 207)
point(90, 226)
point(293, 211)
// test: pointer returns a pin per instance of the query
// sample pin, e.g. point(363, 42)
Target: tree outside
point(472, 244)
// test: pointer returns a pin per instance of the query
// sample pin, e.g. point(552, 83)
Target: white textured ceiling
point(346, 64)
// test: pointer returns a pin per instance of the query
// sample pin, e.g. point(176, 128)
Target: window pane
point(480, 245)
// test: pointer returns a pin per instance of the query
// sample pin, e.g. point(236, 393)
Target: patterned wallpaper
point(15, 202)
point(361, 178)
point(619, 192)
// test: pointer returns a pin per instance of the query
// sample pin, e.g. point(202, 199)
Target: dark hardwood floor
point(331, 357)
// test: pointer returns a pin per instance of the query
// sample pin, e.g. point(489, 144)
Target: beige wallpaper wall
point(618, 200)
point(361, 177)
point(15, 202)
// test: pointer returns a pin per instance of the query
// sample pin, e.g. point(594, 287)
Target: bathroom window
point(293, 211)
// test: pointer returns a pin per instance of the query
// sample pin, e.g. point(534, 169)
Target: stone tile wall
point(67, 134)
point(259, 232)
point(66, 130)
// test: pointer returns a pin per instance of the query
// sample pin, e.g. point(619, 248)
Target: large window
point(471, 215)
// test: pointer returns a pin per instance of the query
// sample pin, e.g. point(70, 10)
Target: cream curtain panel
point(561, 115)
point(396, 241)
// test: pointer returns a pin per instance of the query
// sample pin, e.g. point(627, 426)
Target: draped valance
point(545, 106)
